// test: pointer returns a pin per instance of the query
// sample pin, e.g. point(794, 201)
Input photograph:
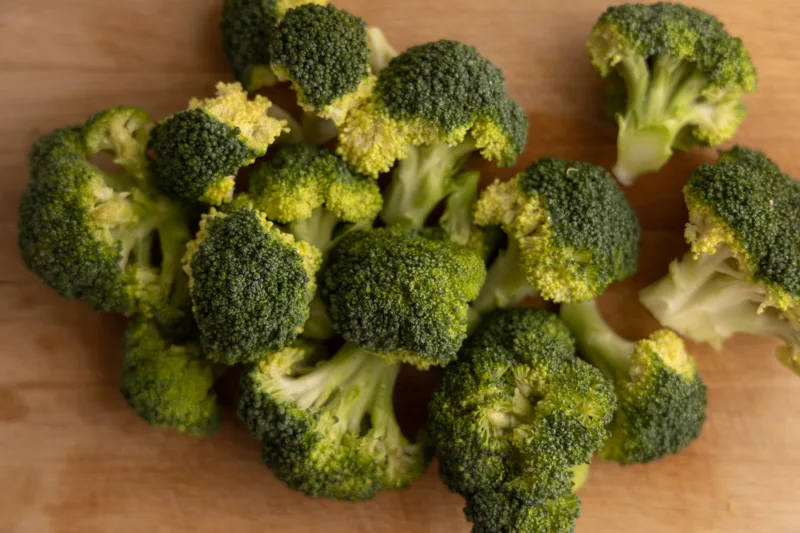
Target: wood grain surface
point(75, 458)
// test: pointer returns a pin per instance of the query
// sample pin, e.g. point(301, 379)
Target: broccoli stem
point(317, 229)
point(421, 181)
point(707, 299)
point(380, 51)
point(318, 326)
point(598, 343)
point(295, 134)
point(505, 283)
point(382, 416)
point(457, 217)
point(317, 387)
point(660, 104)
point(318, 130)
point(580, 474)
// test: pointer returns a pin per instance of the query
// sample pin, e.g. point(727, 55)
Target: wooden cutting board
point(74, 458)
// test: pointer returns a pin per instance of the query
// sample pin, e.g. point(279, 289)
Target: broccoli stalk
point(318, 229)
point(421, 181)
point(708, 298)
point(505, 284)
point(661, 104)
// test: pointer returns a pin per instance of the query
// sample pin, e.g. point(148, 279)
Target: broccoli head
point(103, 237)
point(168, 385)
point(250, 285)
point(327, 424)
point(682, 76)
point(432, 106)
point(323, 52)
point(742, 274)
point(247, 27)
point(313, 191)
point(197, 153)
point(519, 413)
point(661, 397)
point(571, 233)
point(493, 511)
point(402, 294)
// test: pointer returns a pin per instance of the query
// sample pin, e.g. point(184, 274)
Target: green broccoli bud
point(106, 238)
point(432, 106)
point(327, 425)
point(313, 191)
point(661, 397)
point(197, 153)
point(247, 26)
point(402, 295)
point(518, 412)
point(496, 512)
point(323, 52)
point(168, 385)
point(250, 284)
point(742, 274)
point(571, 233)
point(683, 75)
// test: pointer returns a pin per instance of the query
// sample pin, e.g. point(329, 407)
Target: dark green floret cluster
point(742, 274)
point(328, 253)
point(677, 81)
point(517, 420)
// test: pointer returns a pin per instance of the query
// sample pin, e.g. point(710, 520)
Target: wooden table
point(74, 458)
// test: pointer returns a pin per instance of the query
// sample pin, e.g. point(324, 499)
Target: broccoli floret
point(91, 234)
point(497, 512)
point(432, 106)
point(571, 233)
point(323, 52)
point(247, 27)
point(313, 191)
point(197, 153)
point(251, 285)
point(661, 397)
point(683, 77)
point(518, 411)
point(402, 294)
point(168, 385)
point(742, 274)
point(327, 425)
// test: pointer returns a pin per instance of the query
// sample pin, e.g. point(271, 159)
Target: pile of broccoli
point(237, 235)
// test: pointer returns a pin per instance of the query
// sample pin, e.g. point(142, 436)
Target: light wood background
point(74, 458)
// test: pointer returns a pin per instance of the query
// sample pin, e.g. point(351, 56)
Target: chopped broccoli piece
point(327, 425)
point(683, 77)
point(402, 294)
point(168, 385)
point(323, 52)
point(251, 285)
point(197, 153)
point(661, 397)
point(571, 233)
point(516, 419)
point(742, 274)
point(432, 106)
point(313, 191)
point(91, 234)
point(247, 27)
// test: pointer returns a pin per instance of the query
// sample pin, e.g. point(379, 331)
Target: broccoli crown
point(661, 397)
point(575, 231)
point(323, 51)
point(402, 294)
point(746, 203)
point(247, 27)
point(436, 93)
point(676, 31)
point(251, 285)
point(89, 233)
point(197, 153)
point(518, 411)
point(168, 385)
point(327, 424)
point(683, 77)
point(497, 512)
point(303, 177)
